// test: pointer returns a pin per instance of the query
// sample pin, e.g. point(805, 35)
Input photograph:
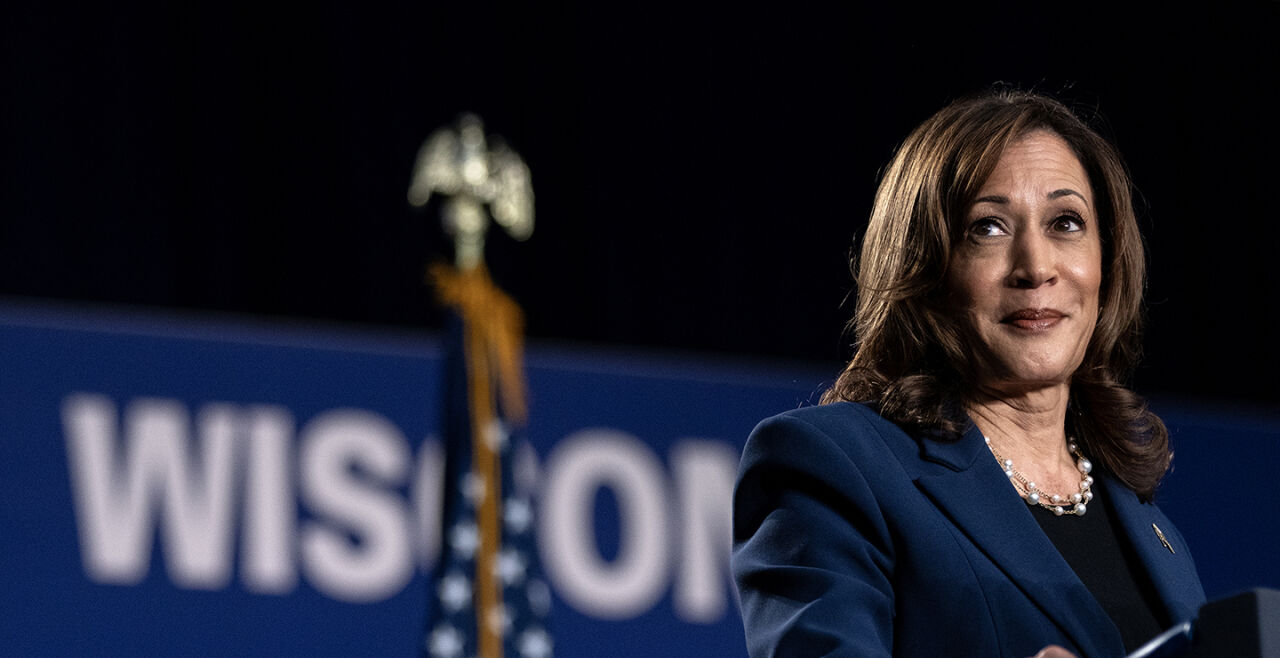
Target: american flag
point(489, 598)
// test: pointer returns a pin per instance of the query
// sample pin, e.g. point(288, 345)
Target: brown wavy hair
point(911, 360)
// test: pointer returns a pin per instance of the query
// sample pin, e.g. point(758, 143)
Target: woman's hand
point(1054, 651)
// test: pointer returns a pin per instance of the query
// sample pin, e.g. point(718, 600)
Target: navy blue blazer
point(852, 538)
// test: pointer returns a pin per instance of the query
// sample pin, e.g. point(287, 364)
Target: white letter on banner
point(115, 534)
point(350, 459)
point(268, 555)
point(580, 465)
point(704, 473)
point(428, 501)
point(116, 518)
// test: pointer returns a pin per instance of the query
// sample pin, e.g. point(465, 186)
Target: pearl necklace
point(1075, 503)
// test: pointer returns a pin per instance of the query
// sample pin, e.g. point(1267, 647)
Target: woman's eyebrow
point(1066, 191)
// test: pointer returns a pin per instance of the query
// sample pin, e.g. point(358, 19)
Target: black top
point(1103, 559)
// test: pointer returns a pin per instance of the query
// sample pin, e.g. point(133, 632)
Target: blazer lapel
point(1172, 571)
point(976, 495)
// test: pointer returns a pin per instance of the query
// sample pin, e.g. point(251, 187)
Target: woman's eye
point(986, 227)
point(1068, 223)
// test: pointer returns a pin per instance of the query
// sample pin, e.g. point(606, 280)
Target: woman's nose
point(1032, 261)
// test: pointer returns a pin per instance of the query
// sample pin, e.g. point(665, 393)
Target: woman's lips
point(1033, 319)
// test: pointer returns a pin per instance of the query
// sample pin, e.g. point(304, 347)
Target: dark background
point(700, 172)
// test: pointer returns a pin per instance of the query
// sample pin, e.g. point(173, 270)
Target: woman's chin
point(1018, 381)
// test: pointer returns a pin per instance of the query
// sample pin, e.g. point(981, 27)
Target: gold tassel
point(493, 329)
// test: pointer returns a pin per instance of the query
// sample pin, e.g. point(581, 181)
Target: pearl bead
point(1085, 466)
point(1008, 463)
point(1031, 486)
point(1088, 496)
point(1071, 446)
point(1033, 498)
point(1056, 498)
point(1057, 511)
point(1008, 472)
point(1088, 480)
point(1075, 498)
point(1080, 508)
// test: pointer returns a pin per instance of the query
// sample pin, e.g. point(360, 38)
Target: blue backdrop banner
point(179, 486)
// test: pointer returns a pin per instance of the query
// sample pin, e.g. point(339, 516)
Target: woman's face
point(1027, 269)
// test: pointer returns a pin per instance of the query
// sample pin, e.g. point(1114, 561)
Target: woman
point(978, 482)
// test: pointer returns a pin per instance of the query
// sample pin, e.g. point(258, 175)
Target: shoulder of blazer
point(847, 424)
point(838, 443)
point(858, 429)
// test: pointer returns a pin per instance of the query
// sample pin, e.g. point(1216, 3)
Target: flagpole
point(458, 164)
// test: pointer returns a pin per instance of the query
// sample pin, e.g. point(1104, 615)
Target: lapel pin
point(1162, 539)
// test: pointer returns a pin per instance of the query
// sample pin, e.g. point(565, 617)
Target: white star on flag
point(517, 515)
point(510, 566)
point(534, 643)
point(473, 489)
point(464, 538)
point(445, 642)
point(455, 591)
point(496, 435)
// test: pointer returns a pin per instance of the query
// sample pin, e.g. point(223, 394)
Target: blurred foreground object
point(1243, 626)
point(1246, 625)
